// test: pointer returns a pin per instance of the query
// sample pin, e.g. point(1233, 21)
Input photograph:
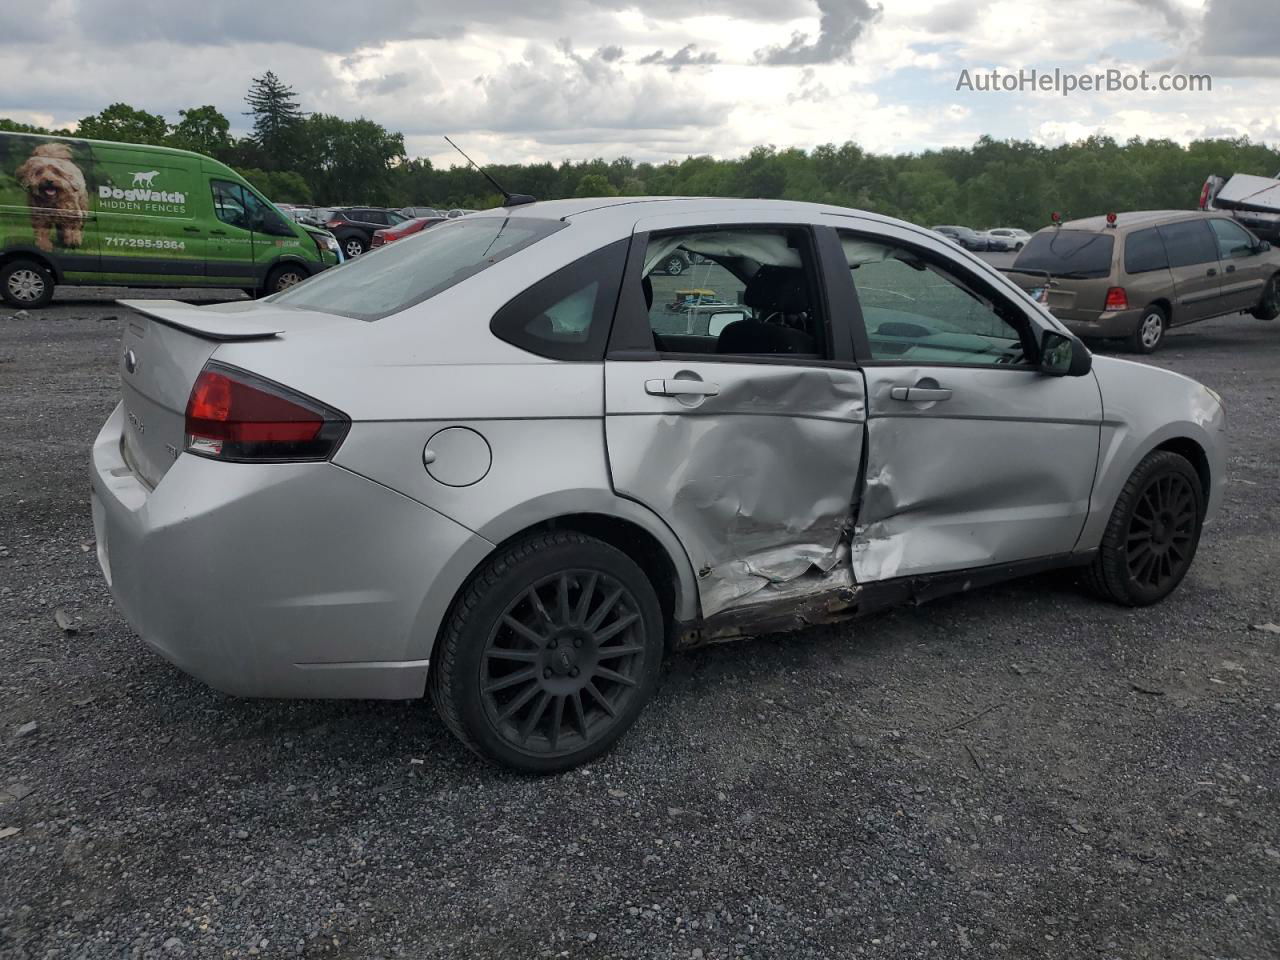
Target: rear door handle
point(191, 229)
point(681, 388)
point(1231, 269)
point(919, 394)
point(1212, 272)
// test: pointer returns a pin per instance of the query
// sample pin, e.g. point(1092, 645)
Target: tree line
point(297, 157)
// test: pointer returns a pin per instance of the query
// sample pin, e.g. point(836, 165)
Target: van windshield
point(1068, 253)
point(386, 281)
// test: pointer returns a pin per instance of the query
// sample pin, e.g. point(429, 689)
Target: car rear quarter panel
point(1144, 408)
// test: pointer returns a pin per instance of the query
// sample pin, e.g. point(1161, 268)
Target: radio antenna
point(508, 199)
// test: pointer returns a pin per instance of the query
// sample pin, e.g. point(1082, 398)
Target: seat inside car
point(780, 297)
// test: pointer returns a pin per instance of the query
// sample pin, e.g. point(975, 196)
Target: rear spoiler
point(203, 323)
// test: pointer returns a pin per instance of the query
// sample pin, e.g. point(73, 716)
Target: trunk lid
point(165, 346)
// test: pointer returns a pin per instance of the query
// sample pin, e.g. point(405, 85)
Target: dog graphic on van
point(56, 194)
point(145, 178)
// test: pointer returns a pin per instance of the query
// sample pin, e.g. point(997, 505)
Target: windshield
point(386, 281)
point(1068, 253)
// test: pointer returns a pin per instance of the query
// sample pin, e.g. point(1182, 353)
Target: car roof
point(625, 211)
point(1134, 220)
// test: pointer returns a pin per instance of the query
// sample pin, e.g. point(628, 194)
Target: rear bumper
point(1106, 325)
point(278, 580)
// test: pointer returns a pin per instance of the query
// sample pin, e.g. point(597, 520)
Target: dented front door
point(753, 465)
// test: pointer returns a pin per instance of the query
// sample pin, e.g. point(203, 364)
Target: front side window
point(229, 203)
point(747, 291)
point(1233, 240)
point(917, 310)
point(1189, 243)
point(417, 268)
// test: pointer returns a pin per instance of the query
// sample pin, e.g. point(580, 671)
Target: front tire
point(1153, 532)
point(1268, 307)
point(26, 284)
point(353, 246)
point(283, 277)
point(549, 654)
point(1148, 335)
point(674, 266)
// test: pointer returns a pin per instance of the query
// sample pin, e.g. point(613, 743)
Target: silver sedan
point(508, 462)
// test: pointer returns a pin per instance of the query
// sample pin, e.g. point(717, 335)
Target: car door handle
point(1212, 272)
point(191, 229)
point(920, 394)
point(681, 388)
point(1231, 269)
point(218, 233)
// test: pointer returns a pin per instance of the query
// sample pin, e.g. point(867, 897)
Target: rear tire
point(353, 246)
point(1153, 532)
point(1268, 307)
point(1148, 335)
point(25, 284)
point(674, 266)
point(549, 654)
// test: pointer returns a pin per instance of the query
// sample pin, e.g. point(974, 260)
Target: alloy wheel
point(562, 662)
point(288, 279)
point(1152, 330)
point(353, 248)
point(26, 285)
point(1162, 528)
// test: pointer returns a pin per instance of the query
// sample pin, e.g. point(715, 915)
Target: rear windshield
point(1068, 253)
point(386, 281)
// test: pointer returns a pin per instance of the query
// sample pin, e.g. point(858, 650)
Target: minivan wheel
point(1149, 333)
point(1268, 307)
point(549, 654)
point(353, 247)
point(24, 283)
point(283, 277)
point(674, 266)
point(1153, 532)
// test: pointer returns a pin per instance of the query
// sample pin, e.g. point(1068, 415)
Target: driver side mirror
point(1063, 356)
point(1262, 246)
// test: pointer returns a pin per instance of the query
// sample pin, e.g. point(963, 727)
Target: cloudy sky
point(521, 80)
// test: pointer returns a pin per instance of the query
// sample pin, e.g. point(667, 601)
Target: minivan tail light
point(235, 415)
point(1117, 299)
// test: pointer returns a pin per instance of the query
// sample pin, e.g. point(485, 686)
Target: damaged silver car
point(495, 464)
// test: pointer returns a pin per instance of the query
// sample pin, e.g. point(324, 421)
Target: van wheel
point(283, 277)
point(549, 654)
point(1268, 307)
point(25, 283)
point(1153, 532)
point(352, 247)
point(1148, 335)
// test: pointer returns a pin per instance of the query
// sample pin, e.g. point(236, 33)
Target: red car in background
point(402, 230)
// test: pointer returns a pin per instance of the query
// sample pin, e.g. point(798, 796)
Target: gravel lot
point(1022, 772)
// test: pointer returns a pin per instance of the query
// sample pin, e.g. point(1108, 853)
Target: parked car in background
point(1253, 201)
point(967, 237)
point(997, 242)
point(414, 212)
point(519, 513)
point(354, 227)
point(82, 212)
point(1017, 236)
point(458, 212)
point(1135, 275)
point(402, 230)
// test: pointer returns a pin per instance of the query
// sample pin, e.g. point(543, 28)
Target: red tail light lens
point(1117, 299)
point(1204, 196)
point(234, 415)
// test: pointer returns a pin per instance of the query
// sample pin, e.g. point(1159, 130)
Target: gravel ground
point(1020, 772)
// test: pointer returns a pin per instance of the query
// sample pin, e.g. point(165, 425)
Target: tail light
point(234, 415)
point(380, 237)
point(1204, 196)
point(1117, 299)
point(335, 222)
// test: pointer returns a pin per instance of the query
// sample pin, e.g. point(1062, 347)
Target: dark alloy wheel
point(550, 654)
point(1268, 307)
point(1153, 533)
point(674, 265)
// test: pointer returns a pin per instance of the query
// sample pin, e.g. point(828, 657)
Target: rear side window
point(1068, 253)
point(566, 316)
point(417, 268)
point(1189, 242)
point(1144, 252)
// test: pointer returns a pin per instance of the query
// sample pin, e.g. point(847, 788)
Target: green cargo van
point(89, 212)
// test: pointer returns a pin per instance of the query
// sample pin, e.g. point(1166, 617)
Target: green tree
point(204, 130)
point(276, 119)
point(278, 186)
point(348, 161)
point(124, 123)
point(595, 185)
